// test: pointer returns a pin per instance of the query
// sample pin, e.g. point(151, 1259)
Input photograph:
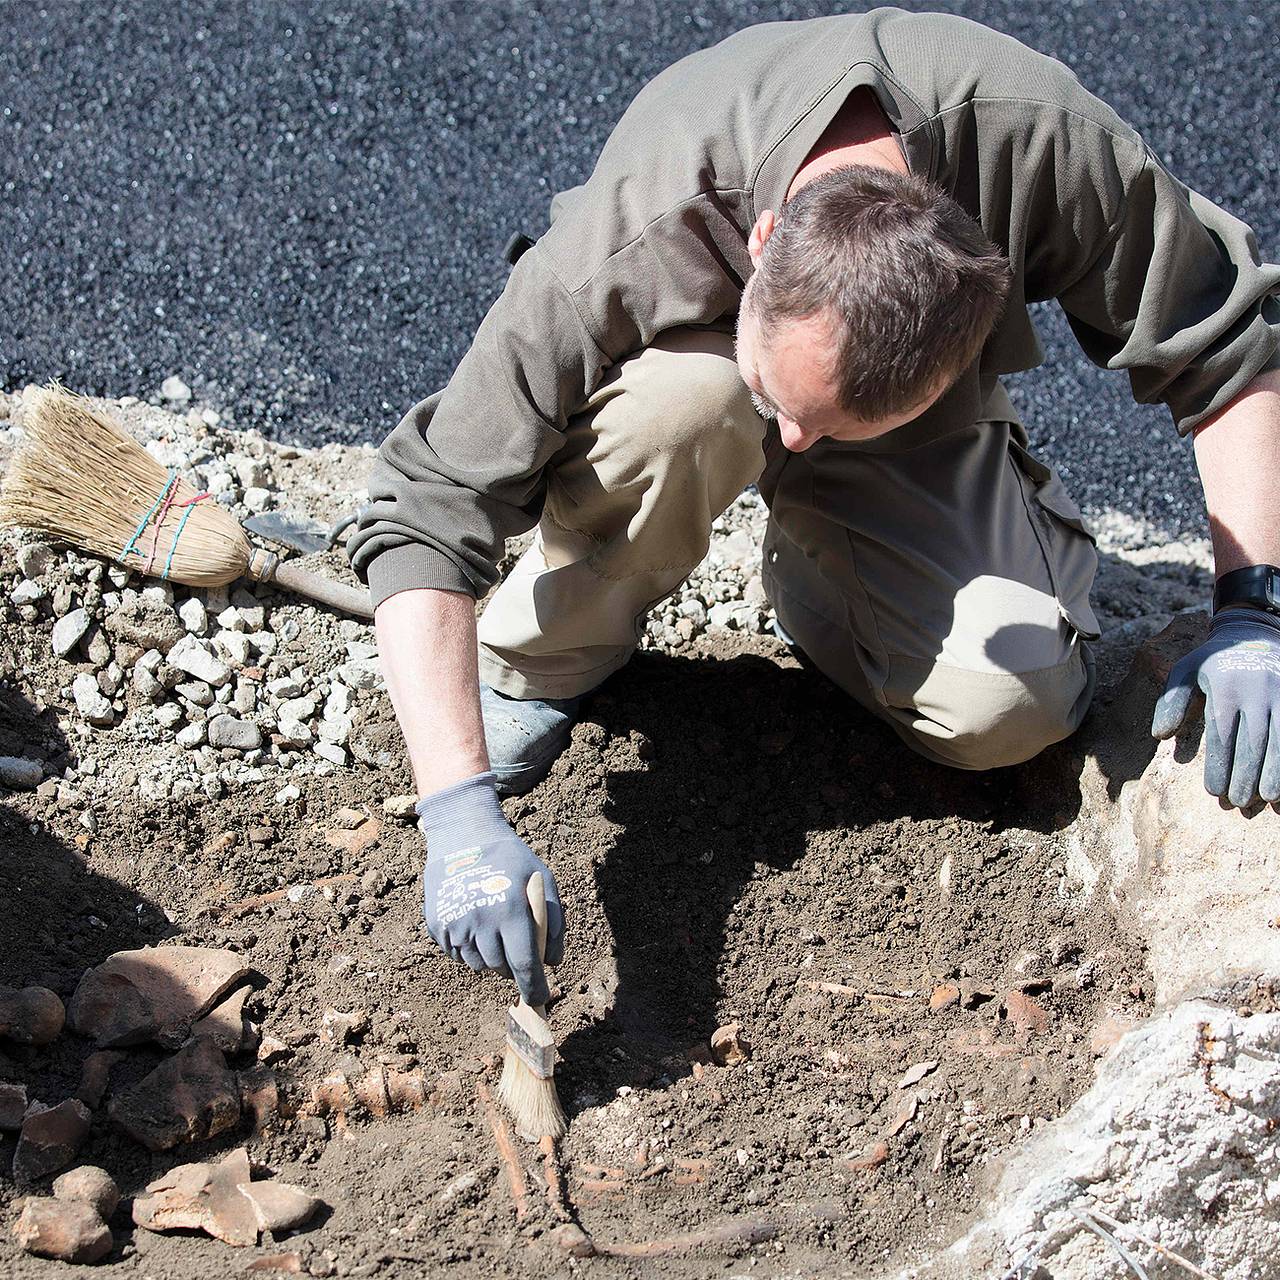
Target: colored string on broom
point(162, 506)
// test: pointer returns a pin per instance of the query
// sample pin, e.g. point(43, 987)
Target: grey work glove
point(474, 887)
point(1237, 669)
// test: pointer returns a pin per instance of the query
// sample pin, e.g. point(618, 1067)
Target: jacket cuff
point(414, 567)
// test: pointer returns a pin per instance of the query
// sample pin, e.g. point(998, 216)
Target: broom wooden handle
point(265, 567)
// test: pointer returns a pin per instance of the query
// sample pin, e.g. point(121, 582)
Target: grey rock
point(28, 592)
point(89, 700)
point(227, 732)
point(168, 715)
point(361, 673)
point(252, 471)
point(175, 390)
point(193, 615)
point(234, 646)
point(263, 643)
point(69, 630)
point(19, 773)
point(297, 709)
point(335, 729)
point(98, 650)
point(196, 691)
point(35, 559)
point(331, 752)
point(192, 736)
point(295, 733)
point(193, 657)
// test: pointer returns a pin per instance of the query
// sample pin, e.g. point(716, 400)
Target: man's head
point(872, 293)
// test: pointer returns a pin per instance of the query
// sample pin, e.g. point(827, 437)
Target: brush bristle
point(532, 1101)
point(80, 478)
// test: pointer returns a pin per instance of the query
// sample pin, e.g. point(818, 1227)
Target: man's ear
point(760, 233)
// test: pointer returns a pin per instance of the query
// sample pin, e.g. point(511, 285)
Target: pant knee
point(683, 398)
point(976, 720)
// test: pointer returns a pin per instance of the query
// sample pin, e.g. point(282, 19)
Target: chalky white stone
point(193, 657)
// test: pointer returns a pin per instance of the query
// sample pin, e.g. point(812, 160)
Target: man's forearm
point(1238, 453)
point(427, 643)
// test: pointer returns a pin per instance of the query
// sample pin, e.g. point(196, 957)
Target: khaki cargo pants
point(939, 574)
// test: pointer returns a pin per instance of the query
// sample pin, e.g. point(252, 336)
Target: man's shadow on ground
point(751, 763)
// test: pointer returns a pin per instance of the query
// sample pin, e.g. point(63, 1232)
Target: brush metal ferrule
point(532, 1040)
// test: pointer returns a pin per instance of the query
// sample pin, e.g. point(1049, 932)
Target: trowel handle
point(536, 892)
point(266, 567)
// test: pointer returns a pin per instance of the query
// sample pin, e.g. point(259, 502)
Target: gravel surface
point(300, 209)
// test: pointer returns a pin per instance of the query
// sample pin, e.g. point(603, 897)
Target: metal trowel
point(301, 533)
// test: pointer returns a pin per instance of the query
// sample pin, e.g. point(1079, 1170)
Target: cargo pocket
point(1070, 550)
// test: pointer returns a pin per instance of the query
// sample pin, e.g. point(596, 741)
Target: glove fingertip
point(1170, 711)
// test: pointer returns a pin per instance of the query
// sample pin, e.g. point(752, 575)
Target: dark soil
point(728, 833)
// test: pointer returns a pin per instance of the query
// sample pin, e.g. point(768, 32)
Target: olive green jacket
point(1154, 278)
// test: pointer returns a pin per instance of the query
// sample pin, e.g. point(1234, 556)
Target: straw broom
point(81, 479)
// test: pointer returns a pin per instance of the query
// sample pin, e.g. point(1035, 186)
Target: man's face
point(790, 382)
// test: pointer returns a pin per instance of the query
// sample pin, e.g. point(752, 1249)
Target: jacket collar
point(768, 187)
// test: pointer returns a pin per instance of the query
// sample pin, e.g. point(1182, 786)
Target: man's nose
point(795, 437)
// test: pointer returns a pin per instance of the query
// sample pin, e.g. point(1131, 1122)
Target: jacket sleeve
point(1180, 298)
point(463, 470)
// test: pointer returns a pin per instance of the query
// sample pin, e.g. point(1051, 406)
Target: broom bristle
point(80, 478)
point(532, 1101)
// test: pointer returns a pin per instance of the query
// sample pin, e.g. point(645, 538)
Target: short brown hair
point(916, 283)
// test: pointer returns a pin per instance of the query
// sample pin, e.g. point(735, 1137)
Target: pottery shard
point(279, 1206)
point(89, 1185)
point(259, 1096)
point(1026, 1016)
point(153, 994)
point(13, 1106)
point(870, 1157)
point(49, 1139)
point(94, 1075)
point(943, 996)
point(201, 1197)
point(33, 1015)
point(227, 1025)
point(188, 1098)
point(64, 1229)
point(728, 1047)
point(222, 1200)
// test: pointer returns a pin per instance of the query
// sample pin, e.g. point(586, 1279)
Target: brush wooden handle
point(315, 586)
point(536, 892)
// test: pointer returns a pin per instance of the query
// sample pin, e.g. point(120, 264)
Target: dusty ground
point(729, 835)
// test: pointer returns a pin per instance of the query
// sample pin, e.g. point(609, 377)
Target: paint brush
point(528, 1085)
